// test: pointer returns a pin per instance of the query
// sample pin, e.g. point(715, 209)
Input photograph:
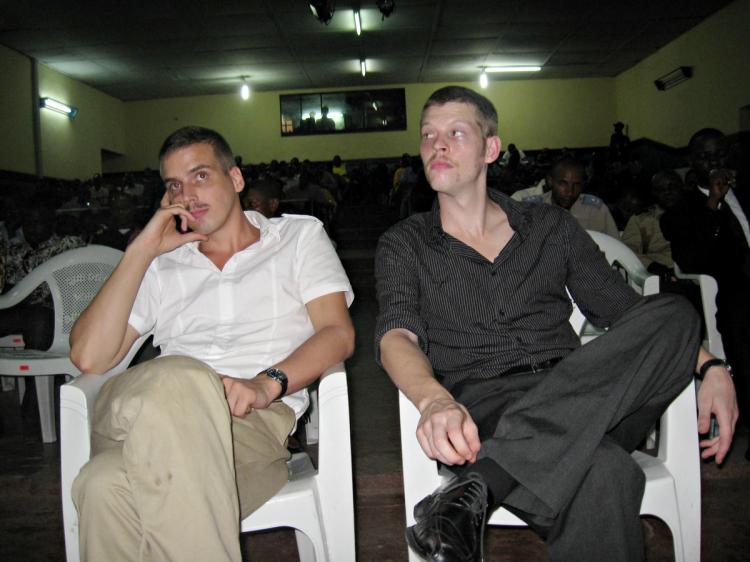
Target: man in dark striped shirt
point(473, 328)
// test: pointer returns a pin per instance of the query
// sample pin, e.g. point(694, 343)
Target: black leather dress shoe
point(450, 522)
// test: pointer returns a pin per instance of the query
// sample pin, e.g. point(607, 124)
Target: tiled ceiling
point(140, 49)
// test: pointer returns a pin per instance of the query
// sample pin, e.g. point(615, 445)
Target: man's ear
point(492, 147)
point(239, 182)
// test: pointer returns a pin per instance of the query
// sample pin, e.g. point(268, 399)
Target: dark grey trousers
point(565, 435)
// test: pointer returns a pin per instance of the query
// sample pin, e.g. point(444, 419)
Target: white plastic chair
point(615, 250)
point(709, 290)
point(673, 485)
point(74, 278)
point(673, 488)
point(319, 505)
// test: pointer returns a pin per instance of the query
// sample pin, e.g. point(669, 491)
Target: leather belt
point(536, 367)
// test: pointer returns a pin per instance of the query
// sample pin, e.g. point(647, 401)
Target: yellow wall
point(72, 148)
point(533, 114)
point(718, 49)
point(16, 126)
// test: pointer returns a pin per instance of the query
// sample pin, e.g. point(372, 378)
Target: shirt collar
point(519, 215)
point(269, 231)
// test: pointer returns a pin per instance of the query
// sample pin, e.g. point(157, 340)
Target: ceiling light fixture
point(59, 107)
point(357, 22)
point(323, 10)
point(512, 69)
point(244, 90)
point(363, 66)
point(386, 7)
point(484, 81)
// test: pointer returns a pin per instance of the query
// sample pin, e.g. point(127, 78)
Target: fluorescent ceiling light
point(60, 107)
point(363, 66)
point(483, 79)
point(245, 91)
point(513, 69)
point(357, 22)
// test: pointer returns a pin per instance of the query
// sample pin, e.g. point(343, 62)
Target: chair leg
point(45, 395)
point(21, 388)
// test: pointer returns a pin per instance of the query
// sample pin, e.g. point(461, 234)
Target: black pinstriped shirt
point(477, 319)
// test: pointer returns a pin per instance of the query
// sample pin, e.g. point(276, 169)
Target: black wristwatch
point(711, 363)
point(280, 377)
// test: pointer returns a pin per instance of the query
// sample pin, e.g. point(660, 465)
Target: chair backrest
point(74, 278)
point(616, 251)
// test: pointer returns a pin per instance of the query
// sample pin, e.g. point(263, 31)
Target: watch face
point(279, 376)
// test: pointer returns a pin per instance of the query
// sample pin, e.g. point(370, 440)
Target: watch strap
point(280, 377)
point(707, 365)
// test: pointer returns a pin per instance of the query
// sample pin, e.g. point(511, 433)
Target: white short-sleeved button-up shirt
point(250, 315)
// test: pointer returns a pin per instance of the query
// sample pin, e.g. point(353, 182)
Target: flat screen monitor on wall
point(343, 112)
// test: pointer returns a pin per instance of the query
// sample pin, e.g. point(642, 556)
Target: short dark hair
point(565, 162)
point(269, 188)
point(486, 112)
point(699, 136)
point(190, 135)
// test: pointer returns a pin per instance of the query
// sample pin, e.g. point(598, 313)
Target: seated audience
point(709, 233)
point(264, 196)
point(643, 233)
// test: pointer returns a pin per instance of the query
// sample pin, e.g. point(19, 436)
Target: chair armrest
point(421, 476)
point(76, 410)
point(77, 400)
point(22, 289)
point(334, 478)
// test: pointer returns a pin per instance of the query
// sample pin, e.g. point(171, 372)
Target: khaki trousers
point(171, 472)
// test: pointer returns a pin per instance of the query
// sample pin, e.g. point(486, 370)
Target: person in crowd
point(34, 317)
point(308, 124)
point(564, 186)
point(325, 123)
point(338, 166)
point(264, 196)
point(709, 233)
point(473, 328)
point(619, 144)
point(513, 158)
point(643, 233)
point(535, 193)
point(247, 311)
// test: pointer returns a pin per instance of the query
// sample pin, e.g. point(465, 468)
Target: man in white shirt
point(248, 312)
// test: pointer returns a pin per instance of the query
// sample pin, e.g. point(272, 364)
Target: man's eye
point(457, 133)
point(173, 187)
point(202, 175)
